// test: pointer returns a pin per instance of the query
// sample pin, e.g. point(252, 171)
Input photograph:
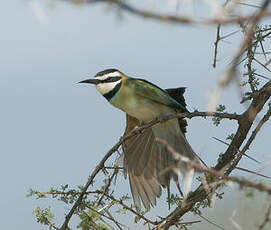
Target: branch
point(250, 140)
point(216, 44)
point(174, 19)
point(107, 217)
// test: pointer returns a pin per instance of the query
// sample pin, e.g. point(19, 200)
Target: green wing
point(148, 90)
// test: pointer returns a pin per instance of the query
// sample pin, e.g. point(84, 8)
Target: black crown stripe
point(107, 71)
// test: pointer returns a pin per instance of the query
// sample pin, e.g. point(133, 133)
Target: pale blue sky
point(54, 131)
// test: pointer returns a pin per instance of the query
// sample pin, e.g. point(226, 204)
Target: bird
point(148, 162)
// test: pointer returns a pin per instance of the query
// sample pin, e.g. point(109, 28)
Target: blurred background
point(54, 131)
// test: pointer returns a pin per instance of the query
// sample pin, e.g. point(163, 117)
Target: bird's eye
point(110, 79)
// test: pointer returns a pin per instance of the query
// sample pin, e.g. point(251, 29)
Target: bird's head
point(106, 81)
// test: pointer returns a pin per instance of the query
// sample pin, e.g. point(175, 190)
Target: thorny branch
point(245, 124)
point(248, 36)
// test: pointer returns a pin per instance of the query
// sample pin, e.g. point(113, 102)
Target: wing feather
point(134, 190)
point(152, 92)
point(149, 163)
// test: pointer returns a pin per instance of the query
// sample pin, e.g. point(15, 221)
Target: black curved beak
point(90, 81)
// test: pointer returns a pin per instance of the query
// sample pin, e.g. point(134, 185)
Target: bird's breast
point(139, 107)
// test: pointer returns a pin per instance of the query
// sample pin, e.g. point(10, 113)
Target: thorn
point(253, 172)
point(251, 158)
point(211, 222)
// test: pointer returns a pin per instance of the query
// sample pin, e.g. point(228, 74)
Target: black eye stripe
point(111, 79)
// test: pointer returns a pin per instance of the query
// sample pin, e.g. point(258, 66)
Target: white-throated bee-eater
point(150, 164)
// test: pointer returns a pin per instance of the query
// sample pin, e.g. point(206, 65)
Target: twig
point(250, 56)
point(219, 38)
point(52, 225)
point(109, 180)
point(110, 167)
point(247, 4)
point(92, 223)
point(113, 219)
point(190, 222)
point(260, 75)
point(128, 208)
point(253, 172)
point(55, 193)
point(210, 222)
point(216, 43)
point(261, 64)
point(108, 217)
point(266, 219)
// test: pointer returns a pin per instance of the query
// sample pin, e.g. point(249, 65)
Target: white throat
point(104, 88)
